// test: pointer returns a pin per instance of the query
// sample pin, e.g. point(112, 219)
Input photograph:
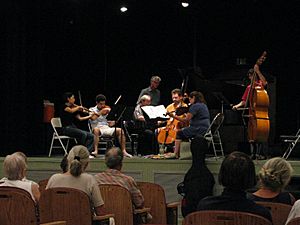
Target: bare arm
point(241, 104)
point(35, 191)
point(260, 75)
point(73, 109)
point(100, 210)
point(82, 118)
point(185, 119)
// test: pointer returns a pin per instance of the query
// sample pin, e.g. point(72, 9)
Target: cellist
point(259, 82)
point(167, 135)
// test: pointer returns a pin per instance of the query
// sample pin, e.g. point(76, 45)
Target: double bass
point(258, 123)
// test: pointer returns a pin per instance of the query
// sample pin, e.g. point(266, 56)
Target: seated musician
point(197, 116)
point(68, 115)
point(102, 127)
point(171, 124)
point(147, 143)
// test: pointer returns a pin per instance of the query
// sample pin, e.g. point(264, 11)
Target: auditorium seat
point(279, 211)
point(213, 217)
point(71, 205)
point(117, 200)
point(154, 196)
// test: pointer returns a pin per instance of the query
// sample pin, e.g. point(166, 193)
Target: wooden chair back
point(16, 207)
point(42, 185)
point(295, 221)
point(68, 204)
point(154, 196)
point(117, 200)
point(279, 211)
point(218, 217)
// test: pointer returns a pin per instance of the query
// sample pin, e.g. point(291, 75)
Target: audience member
point(64, 164)
point(237, 174)
point(14, 167)
point(295, 212)
point(76, 177)
point(113, 175)
point(274, 176)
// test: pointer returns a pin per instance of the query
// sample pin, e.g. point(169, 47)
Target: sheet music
point(155, 111)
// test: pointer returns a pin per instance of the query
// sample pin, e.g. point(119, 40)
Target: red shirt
point(257, 84)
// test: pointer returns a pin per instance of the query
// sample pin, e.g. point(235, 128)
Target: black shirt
point(67, 119)
point(282, 197)
point(233, 201)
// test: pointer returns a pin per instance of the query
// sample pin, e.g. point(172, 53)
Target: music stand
point(221, 98)
point(116, 114)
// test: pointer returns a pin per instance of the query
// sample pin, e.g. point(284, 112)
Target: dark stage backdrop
point(49, 47)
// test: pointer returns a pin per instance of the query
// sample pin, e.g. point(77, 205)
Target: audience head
point(199, 97)
point(78, 159)
point(64, 164)
point(275, 174)
point(22, 155)
point(114, 158)
point(14, 167)
point(237, 171)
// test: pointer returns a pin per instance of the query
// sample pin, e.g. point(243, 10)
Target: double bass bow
point(258, 101)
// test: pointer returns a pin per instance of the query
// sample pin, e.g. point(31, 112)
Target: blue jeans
point(83, 137)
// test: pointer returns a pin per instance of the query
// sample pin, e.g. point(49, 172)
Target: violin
point(83, 109)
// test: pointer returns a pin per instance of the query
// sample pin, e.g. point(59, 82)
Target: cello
point(258, 123)
point(167, 134)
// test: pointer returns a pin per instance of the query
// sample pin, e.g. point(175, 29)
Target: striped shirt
point(112, 176)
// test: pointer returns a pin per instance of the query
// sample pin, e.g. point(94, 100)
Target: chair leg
point(62, 144)
point(67, 146)
point(50, 150)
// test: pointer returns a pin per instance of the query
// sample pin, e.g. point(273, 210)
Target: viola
point(258, 123)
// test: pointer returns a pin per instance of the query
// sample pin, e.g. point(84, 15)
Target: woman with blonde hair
point(273, 177)
point(75, 177)
point(14, 168)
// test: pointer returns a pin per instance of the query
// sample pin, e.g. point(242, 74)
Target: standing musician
point(102, 127)
point(197, 116)
point(167, 135)
point(260, 83)
point(152, 91)
point(70, 112)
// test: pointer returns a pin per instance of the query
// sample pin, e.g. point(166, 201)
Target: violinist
point(71, 112)
point(102, 127)
point(197, 116)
